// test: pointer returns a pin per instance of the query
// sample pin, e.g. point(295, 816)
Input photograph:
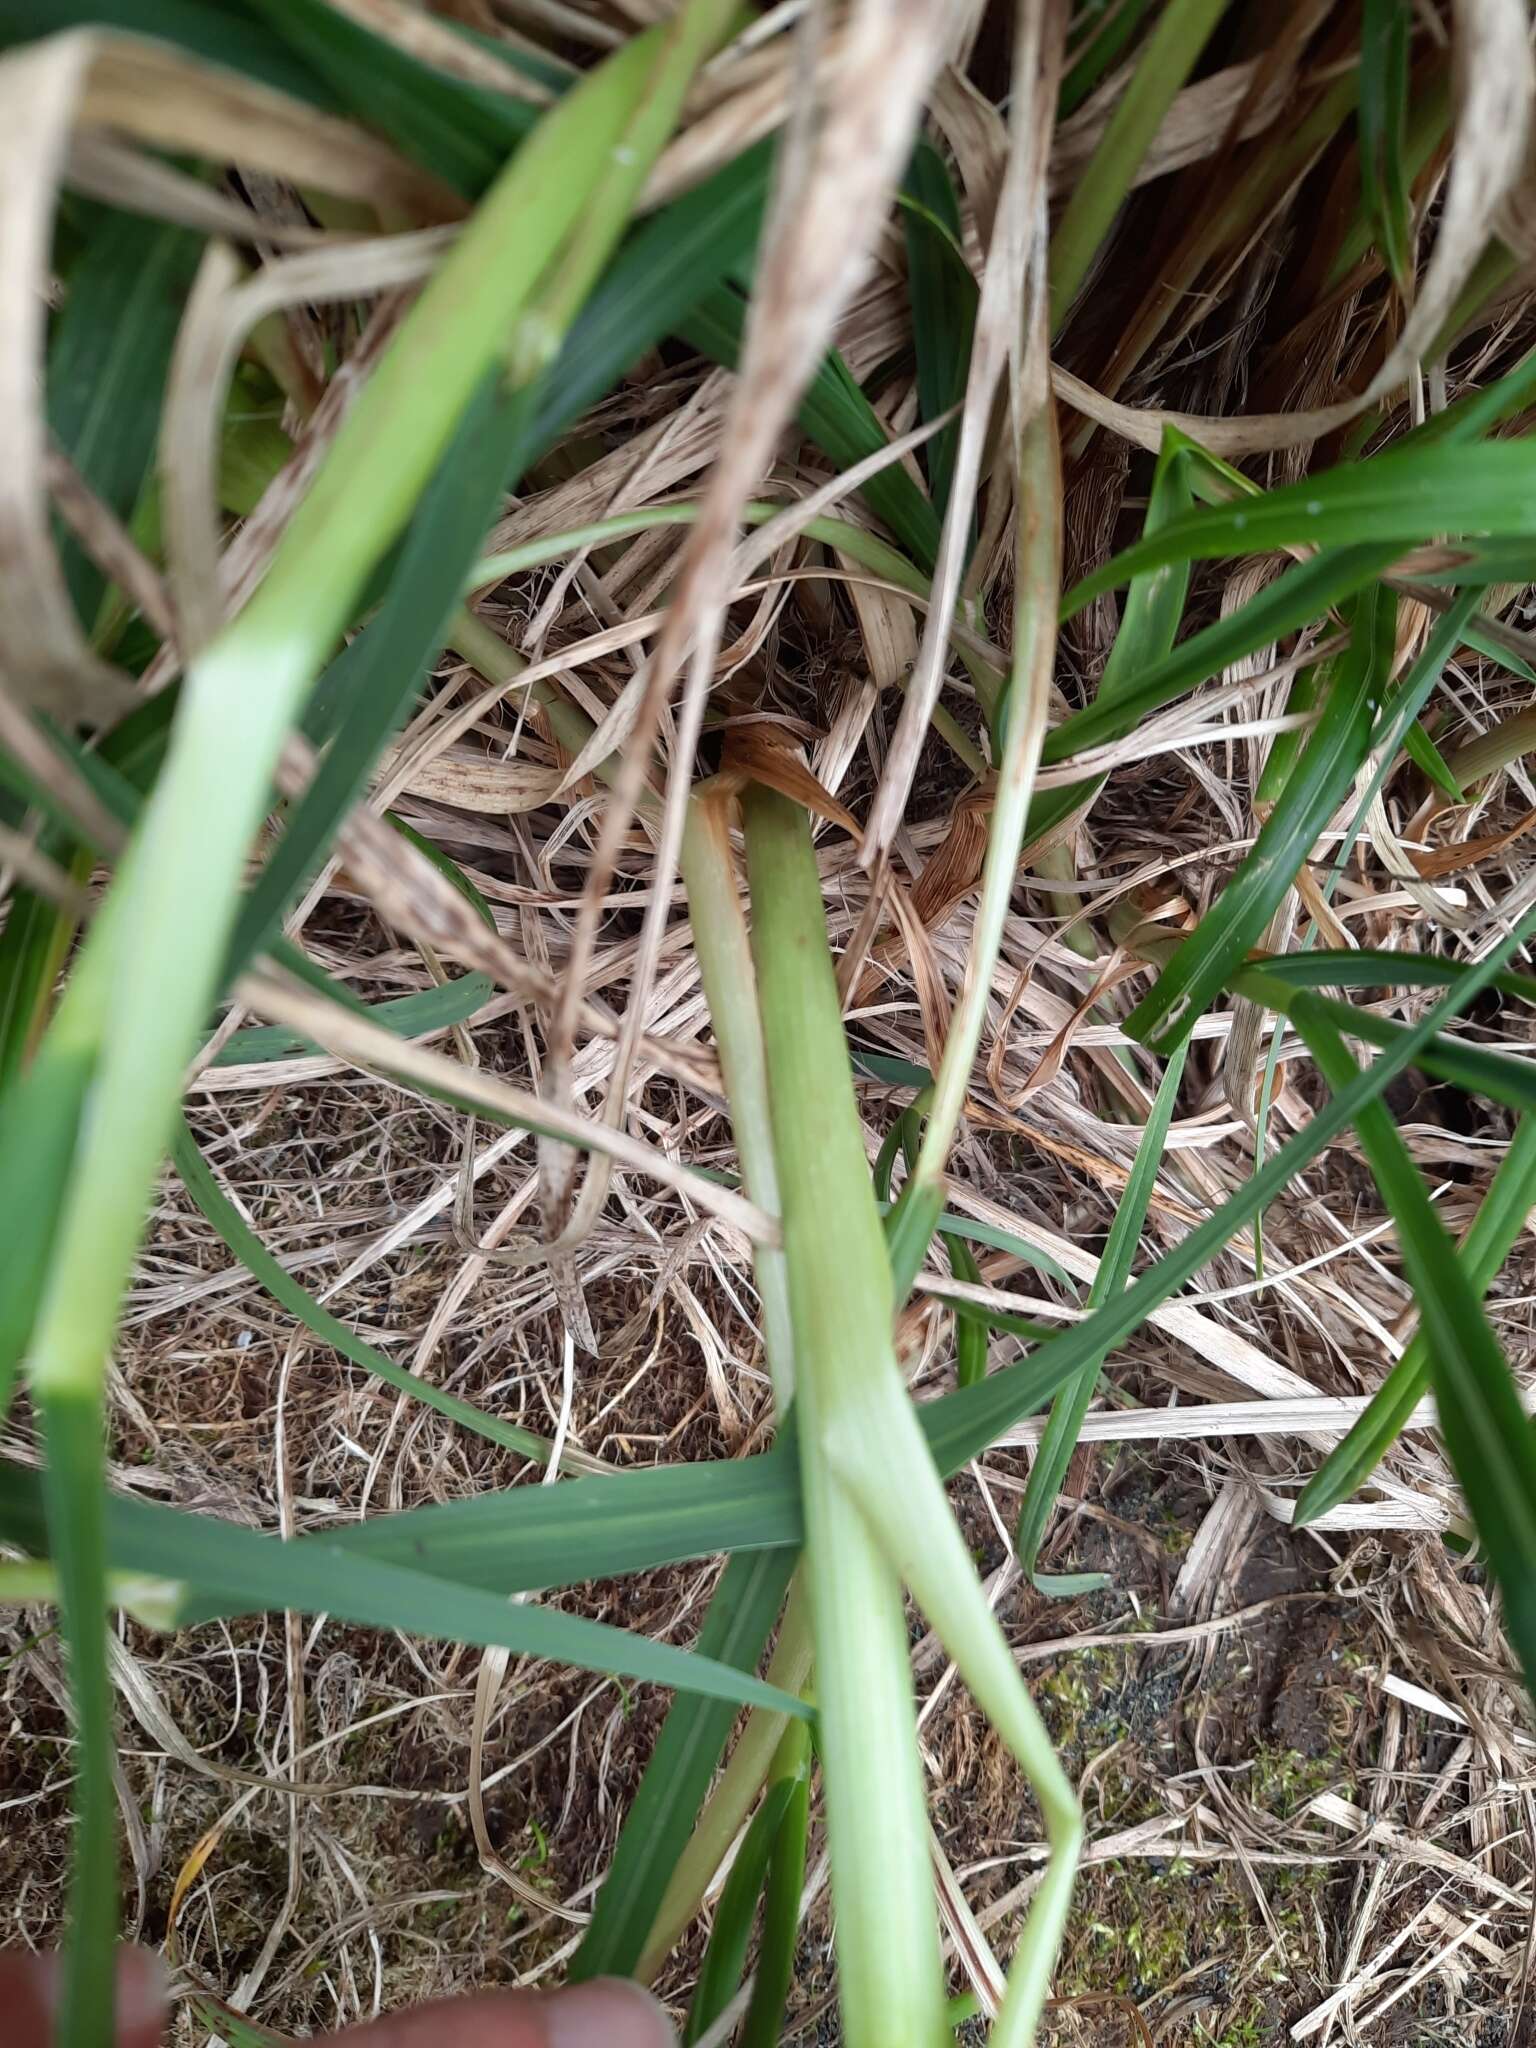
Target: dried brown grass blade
point(1450, 860)
point(107, 169)
point(1000, 321)
point(157, 94)
point(224, 307)
point(44, 657)
point(108, 542)
point(430, 41)
point(754, 754)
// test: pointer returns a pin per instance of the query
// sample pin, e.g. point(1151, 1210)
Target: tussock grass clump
point(760, 772)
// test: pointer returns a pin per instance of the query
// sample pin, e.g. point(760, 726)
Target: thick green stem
point(873, 1501)
point(153, 959)
point(841, 1305)
point(75, 1488)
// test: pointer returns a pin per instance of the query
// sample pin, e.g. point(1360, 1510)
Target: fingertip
point(140, 1997)
point(31, 1993)
point(610, 2012)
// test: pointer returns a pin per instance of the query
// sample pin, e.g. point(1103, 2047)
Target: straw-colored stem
point(1037, 590)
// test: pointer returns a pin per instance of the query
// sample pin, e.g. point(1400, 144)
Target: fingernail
point(611, 2012)
point(140, 1991)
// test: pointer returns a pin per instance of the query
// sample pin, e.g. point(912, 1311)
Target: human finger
point(611, 2012)
point(31, 1990)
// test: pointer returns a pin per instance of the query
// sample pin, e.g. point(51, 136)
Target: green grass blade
point(1384, 34)
point(226, 1568)
point(1149, 620)
point(220, 31)
point(75, 1484)
point(736, 1628)
point(970, 1333)
point(943, 295)
point(32, 949)
point(40, 1119)
point(1169, 55)
point(1408, 494)
point(726, 1956)
point(1154, 604)
point(39, 1122)
point(905, 1137)
point(108, 360)
point(233, 2027)
point(421, 1015)
point(388, 663)
point(781, 1918)
point(1478, 411)
point(1203, 962)
point(1429, 120)
point(1495, 1230)
point(1429, 761)
point(1372, 968)
point(1099, 49)
point(1071, 1405)
point(1406, 700)
point(1303, 593)
point(523, 1539)
point(1500, 1076)
point(836, 415)
point(671, 262)
point(1402, 705)
point(1486, 1430)
point(460, 131)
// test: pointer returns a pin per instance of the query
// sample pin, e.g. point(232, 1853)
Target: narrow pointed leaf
point(1496, 1229)
point(1202, 964)
point(661, 1815)
point(1486, 1430)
